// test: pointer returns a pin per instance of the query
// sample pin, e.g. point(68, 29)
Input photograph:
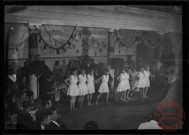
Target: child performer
point(83, 89)
point(123, 84)
point(103, 86)
point(73, 89)
point(134, 80)
point(147, 80)
point(141, 82)
point(90, 85)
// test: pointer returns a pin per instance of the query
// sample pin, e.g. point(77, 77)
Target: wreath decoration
point(56, 47)
point(22, 41)
point(148, 44)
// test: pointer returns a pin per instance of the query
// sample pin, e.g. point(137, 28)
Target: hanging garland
point(119, 37)
point(13, 46)
point(94, 40)
point(148, 44)
point(62, 44)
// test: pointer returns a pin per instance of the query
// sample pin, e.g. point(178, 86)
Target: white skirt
point(83, 89)
point(91, 88)
point(141, 83)
point(147, 82)
point(73, 90)
point(103, 88)
point(123, 86)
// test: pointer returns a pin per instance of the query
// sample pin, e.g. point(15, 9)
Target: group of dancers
point(129, 81)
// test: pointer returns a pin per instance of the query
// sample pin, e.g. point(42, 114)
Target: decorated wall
point(64, 43)
point(16, 43)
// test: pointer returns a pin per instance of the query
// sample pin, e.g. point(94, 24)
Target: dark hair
point(10, 71)
point(45, 102)
point(29, 93)
point(26, 105)
point(44, 116)
point(105, 71)
point(91, 125)
point(56, 63)
point(51, 110)
point(73, 70)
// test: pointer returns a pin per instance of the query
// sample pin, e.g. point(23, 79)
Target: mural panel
point(16, 38)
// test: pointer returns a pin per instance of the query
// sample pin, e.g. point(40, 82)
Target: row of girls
point(86, 87)
point(131, 81)
point(139, 81)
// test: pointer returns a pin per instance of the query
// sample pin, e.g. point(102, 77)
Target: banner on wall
point(92, 40)
point(98, 42)
point(54, 37)
point(16, 39)
point(125, 42)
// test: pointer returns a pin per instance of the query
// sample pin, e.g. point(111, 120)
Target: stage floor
point(117, 115)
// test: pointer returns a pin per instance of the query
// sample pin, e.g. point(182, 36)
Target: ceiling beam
point(98, 16)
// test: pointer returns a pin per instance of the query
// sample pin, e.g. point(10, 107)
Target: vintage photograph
point(93, 67)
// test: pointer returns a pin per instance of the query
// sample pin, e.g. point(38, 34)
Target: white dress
point(83, 90)
point(90, 84)
point(104, 85)
point(73, 89)
point(142, 81)
point(147, 75)
point(124, 82)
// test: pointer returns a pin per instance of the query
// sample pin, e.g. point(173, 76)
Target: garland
point(121, 40)
point(98, 43)
point(13, 46)
point(148, 44)
point(62, 44)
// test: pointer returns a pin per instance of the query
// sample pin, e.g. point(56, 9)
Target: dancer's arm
point(66, 81)
point(118, 78)
point(99, 79)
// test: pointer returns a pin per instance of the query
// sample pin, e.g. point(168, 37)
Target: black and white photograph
point(93, 67)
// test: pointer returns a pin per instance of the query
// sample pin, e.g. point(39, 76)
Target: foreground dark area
point(117, 115)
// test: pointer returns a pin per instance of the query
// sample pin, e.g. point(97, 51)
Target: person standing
point(123, 85)
point(134, 81)
point(147, 80)
point(83, 90)
point(90, 85)
point(141, 82)
point(104, 86)
point(73, 89)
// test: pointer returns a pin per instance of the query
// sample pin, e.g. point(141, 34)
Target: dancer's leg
point(90, 99)
point(146, 90)
point(107, 97)
point(71, 103)
point(80, 101)
point(122, 95)
point(98, 97)
point(118, 93)
point(74, 103)
point(128, 92)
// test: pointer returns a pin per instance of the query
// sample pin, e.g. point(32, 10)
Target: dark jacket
point(54, 126)
point(24, 121)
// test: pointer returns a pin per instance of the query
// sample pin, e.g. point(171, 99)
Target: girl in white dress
point(103, 87)
point(73, 89)
point(123, 85)
point(91, 87)
point(83, 90)
point(141, 82)
point(147, 75)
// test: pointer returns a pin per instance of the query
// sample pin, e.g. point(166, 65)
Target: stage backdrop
point(16, 42)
